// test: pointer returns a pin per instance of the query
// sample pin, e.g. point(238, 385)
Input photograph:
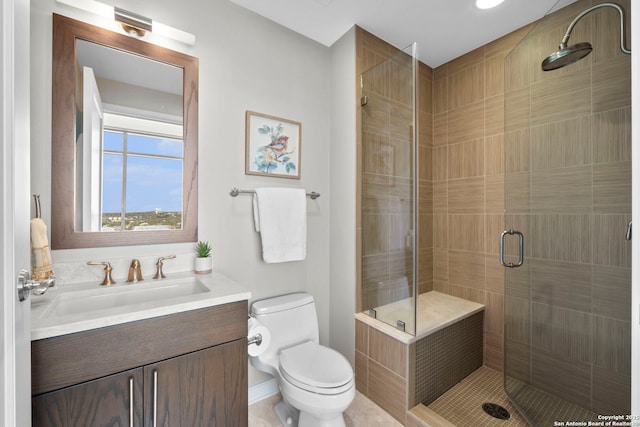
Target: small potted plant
point(203, 259)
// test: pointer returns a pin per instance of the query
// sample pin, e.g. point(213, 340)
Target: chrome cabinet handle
point(131, 402)
point(155, 397)
point(520, 245)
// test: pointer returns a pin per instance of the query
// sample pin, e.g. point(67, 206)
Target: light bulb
point(487, 4)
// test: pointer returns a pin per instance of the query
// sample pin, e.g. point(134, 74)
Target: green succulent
point(203, 249)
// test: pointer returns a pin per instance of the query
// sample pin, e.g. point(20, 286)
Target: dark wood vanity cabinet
point(200, 386)
point(199, 389)
point(102, 402)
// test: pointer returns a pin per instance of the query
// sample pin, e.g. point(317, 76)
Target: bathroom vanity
point(180, 361)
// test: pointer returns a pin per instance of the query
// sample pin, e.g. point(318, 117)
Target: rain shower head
point(567, 55)
point(570, 54)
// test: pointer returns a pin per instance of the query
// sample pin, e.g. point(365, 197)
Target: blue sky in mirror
point(152, 182)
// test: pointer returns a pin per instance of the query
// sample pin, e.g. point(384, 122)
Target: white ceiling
point(443, 29)
point(121, 66)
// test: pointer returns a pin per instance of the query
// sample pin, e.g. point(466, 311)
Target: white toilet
point(316, 382)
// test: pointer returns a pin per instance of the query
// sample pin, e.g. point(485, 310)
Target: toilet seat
point(316, 368)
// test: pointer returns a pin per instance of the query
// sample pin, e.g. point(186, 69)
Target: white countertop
point(213, 289)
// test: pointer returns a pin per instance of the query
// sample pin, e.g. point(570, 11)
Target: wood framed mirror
point(146, 142)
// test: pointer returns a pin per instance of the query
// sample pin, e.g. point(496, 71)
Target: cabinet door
point(99, 403)
point(206, 388)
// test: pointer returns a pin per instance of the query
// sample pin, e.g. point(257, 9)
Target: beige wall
point(343, 200)
point(468, 182)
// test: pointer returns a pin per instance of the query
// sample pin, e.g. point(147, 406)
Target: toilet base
point(307, 420)
point(291, 417)
point(287, 414)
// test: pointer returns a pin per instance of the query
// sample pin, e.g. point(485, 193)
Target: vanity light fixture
point(487, 4)
point(133, 24)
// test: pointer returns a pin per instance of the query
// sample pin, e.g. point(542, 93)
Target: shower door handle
point(520, 247)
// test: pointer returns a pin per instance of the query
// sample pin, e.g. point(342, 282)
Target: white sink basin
point(81, 307)
point(109, 298)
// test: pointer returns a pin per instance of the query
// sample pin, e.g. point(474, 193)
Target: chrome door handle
point(520, 245)
point(26, 285)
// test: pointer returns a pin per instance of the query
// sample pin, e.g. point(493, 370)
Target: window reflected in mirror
point(141, 179)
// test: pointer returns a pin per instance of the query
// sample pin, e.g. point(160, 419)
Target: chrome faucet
point(159, 274)
point(135, 272)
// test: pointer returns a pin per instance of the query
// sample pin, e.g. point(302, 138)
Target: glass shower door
point(389, 189)
point(568, 191)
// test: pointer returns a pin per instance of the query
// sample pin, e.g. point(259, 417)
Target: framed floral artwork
point(272, 146)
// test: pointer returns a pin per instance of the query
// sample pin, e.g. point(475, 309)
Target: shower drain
point(496, 411)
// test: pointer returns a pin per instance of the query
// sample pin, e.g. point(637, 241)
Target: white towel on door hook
point(280, 216)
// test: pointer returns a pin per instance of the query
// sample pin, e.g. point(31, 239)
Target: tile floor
point(545, 409)
point(361, 413)
point(462, 404)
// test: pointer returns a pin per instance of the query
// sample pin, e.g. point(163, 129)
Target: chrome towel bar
point(234, 192)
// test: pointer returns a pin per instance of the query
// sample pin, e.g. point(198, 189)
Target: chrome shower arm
point(565, 39)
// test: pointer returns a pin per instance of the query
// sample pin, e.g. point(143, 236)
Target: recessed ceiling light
point(487, 4)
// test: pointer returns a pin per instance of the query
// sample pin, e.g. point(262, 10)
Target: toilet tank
point(291, 319)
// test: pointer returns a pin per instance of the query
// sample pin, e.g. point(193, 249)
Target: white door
point(15, 325)
point(90, 151)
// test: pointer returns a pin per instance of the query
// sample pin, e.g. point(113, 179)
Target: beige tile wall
point(468, 183)
point(568, 185)
point(577, 189)
point(461, 186)
point(382, 369)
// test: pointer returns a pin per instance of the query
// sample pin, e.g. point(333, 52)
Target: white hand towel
point(280, 216)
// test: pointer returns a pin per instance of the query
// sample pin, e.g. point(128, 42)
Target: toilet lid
point(312, 366)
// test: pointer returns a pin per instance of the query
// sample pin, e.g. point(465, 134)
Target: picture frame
point(272, 146)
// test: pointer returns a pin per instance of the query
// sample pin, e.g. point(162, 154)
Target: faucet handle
point(159, 274)
point(107, 272)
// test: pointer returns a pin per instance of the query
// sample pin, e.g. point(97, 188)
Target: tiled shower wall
point(461, 185)
point(568, 175)
point(462, 205)
point(468, 183)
